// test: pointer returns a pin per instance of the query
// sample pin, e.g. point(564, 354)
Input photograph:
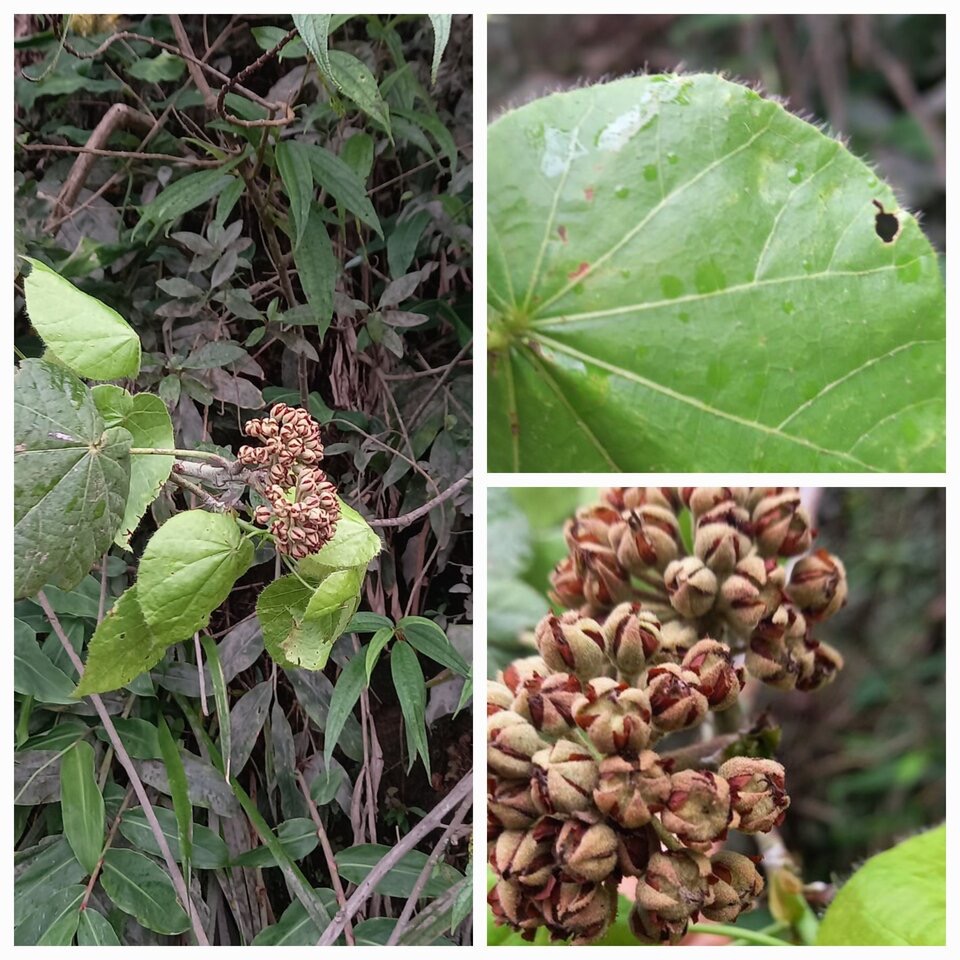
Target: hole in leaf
point(887, 225)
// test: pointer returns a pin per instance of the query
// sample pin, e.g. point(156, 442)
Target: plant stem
point(189, 454)
point(739, 933)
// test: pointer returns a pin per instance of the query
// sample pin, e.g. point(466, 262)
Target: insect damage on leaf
point(887, 224)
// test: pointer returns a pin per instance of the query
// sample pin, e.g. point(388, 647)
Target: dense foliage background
point(880, 81)
point(157, 166)
point(866, 757)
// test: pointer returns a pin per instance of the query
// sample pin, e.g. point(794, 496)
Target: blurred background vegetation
point(866, 757)
point(879, 81)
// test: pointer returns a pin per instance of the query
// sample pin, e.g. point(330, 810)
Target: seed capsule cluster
point(581, 792)
point(303, 508)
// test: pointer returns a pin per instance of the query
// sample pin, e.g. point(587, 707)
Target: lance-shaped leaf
point(141, 887)
point(188, 569)
point(685, 276)
point(91, 338)
point(71, 476)
point(441, 34)
point(354, 80)
point(81, 804)
point(145, 417)
point(53, 920)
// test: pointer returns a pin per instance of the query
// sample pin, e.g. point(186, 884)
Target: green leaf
point(186, 194)
point(145, 417)
point(188, 569)
point(217, 353)
point(317, 268)
point(34, 674)
point(95, 930)
point(355, 863)
point(208, 850)
point(298, 837)
point(346, 693)
point(164, 66)
point(139, 737)
point(293, 164)
point(685, 276)
point(314, 30)
point(326, 784)
point(431, 641)
point(177, 780)
point(339, 180)
point(357, 153)
point(355, 81)
point(81, 804)
point(89, 337)
point(354, 544)
point(377, 642)
point(52, 869)
point(412, 694)
point(281, 608)
point(122, 647)
point(295, 928)
point(897, 898)
point(220, 698)
point(328, 612)
point(402, 242)
point(366, 622)
point(441, 34)
point(53, 921)
point(141, 887)
point(71, 476)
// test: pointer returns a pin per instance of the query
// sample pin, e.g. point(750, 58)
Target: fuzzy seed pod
point(548, 702)
point(692, 587)
point(722, 537)
point(757, 793)
point(510, 804)
point(635, 848)
point(564, 778)
point(741, 600)
point(580, 912)
point(675, 698)
point(511, 745)
point(818, 585)
point(523, 856)
point(605, 582)
point(499, 697)
point(823, 667)
point(646, 537)
point(568, 590)
point(630, 791)
point(737, 887)
point(676, 639)
point(782, 525)
point(701, 500)
point(512, 905)
point(632, 637)
point(615, 717)
point(572, 644)
point(672, 890)
point(516, 674)
point(586, 852)
point(632, 498)
point(698, 808)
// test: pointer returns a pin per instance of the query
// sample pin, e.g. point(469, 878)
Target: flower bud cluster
point(302, 509)
point(581, 792)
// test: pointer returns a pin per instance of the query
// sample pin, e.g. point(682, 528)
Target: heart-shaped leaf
point(188, 569)
point(71, 476)
point(354, 544)
point(91, 338)
point(684, 276)
point(897, 898)
point(146, 419)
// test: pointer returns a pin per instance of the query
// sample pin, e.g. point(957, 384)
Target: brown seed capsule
point(590, 527)
point(675, 698)
point(510, 803)
point(580, 912)
point(719, 681)
point(517, 673)
point(738, 884)
point(672, 890)
point(511, 745)
point(757, 793)
point(632, 636)
point(630, 791)
point(523, 856)
point(632, 498)
point(499, 697)
point(698, 808)
point(691, 585)
point(572, 644)
point(586, 852)
point(676, 639)
point(568, 591)
point(614, 716)
point(822, 669)
point(547, 702)
point(646, 537)
point(782, 525)
point(818, 585)
point(605, 582)
point(701, 500)
point(564, 778)
point(635, 848)
point(722, 537)
point(512, 905)
point(741, 599)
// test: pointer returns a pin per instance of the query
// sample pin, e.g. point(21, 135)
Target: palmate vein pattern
point(684, 276)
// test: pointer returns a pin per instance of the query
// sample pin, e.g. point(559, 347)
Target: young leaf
point(355, 81)
point(412, 694)
point(293, 164)
point(441, 34)
point(336, 177)
point(182, 808)
point(430, 640)
point(897, 898)
point(141, 887)
point(122, 647)
point(145, 417)
point(220, 697)
point(188, 569)
point(354, 544)
point(346, 693)
point(89, 337)
point(71, 477)
point(377, 642)
point(685, 276)
point(81, 805)
point(314, 30)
